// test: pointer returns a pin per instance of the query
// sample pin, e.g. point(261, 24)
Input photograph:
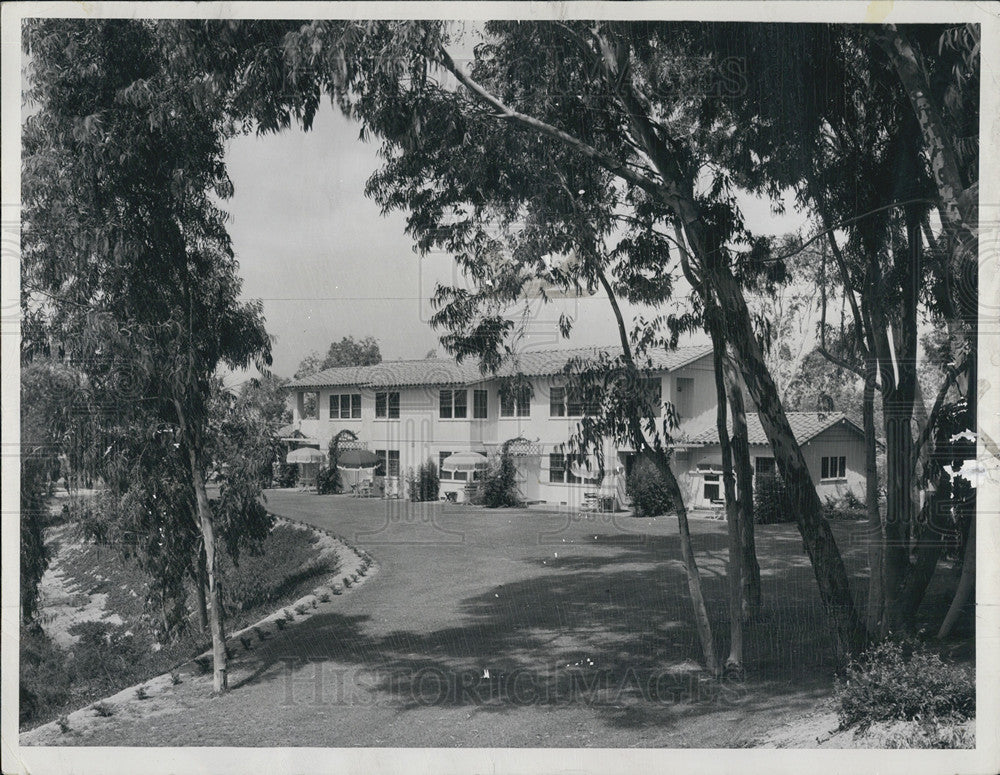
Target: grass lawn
point(108, 635)
point(521, 627)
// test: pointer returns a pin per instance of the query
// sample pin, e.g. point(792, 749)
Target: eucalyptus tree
point(608, 96)
point(127, 262)
point(890, 265)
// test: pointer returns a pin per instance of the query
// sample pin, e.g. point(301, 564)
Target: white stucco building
point(407, 412)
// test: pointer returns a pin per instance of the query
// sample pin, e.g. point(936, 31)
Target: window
point(387, 405)
point(345, 406)
point(557, 402)
point(763, 466)
point(711, 487)
point(309, 405)
point(480, 402)
point(833, 468)
point(516, 402)
point(567, 402)
point(559, 469)
point(442, 456)
point(388, 462)
point(454, 404)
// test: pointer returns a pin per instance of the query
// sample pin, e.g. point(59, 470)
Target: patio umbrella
point(305, 455)
point(356, 458)
point(353, 477)
point(464, 461)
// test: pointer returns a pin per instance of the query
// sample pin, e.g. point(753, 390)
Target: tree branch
point(612, 165)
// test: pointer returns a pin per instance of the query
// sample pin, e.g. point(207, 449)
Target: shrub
point(44, 679)
point(649, 495)
point(847, 507)
point(499, 486)
point(328, 480)
point(424, 483)
point(106, 655)
point(903, 681)
point(771, 501)
point(104, 709)
point(288, 475)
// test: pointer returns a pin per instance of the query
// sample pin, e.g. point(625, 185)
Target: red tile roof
point(445, 371)
point(805, 426)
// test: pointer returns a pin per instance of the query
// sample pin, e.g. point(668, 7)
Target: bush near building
point(649, 495)
point(424, 483)
point(772, 503)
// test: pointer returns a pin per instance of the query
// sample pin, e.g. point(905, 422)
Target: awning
point(305, 455)
point(464, 461)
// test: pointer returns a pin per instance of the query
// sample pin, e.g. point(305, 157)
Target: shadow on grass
point(610, 631)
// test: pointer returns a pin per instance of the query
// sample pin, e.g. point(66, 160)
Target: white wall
point(832, 442)
point(420, 433)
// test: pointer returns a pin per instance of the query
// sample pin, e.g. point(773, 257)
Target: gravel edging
point(354, 567)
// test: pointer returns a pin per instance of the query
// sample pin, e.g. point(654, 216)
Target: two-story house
point(407, 412)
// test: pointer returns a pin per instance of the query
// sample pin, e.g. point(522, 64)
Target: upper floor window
point(345, 406)
point(833, 467)
point(569, 402)
point(454, 404)
point(516, 402)
point(387, 405)
point(480, 402)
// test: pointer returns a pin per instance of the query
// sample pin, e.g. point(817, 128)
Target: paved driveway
point(515, 628)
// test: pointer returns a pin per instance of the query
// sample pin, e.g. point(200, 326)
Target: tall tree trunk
point(702, 624)
point(658, 457)
point(201, 584)
point(929, 546)
point(828, 565)
point(220, 681)
point(734, 576)
point(876, 589)
point(898, 396)
point(749, 567)
point(965, 584)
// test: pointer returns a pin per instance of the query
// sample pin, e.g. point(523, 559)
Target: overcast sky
point(327, 264)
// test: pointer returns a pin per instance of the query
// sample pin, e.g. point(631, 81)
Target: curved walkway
point(511, 628)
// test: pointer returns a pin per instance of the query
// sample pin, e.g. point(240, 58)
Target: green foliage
point(499, 487)
point(258, 581)
point(346, 352)
point(106, 655)
point(772, 502)
point(649, 494)
point(104, 709)
point(327, 480)
point(847, 507)
point(288, 475)
point(903, 680)
point(423, 483)
point(34, 554)
point(44, 677)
